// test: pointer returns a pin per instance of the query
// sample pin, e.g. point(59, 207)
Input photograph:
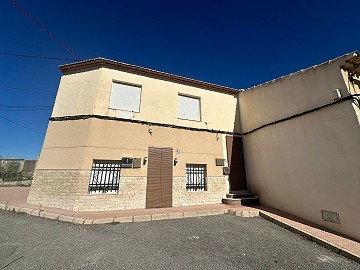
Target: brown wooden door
point(236, 163)
point(159, 178)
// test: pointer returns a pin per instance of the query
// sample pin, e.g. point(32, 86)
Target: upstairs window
point(189, 108)
point(125, 97)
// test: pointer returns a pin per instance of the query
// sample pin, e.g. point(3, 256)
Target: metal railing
point(105, 176)
point(196, 177)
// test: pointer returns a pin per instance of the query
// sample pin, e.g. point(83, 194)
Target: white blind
point(189, 108)
point(125, 97)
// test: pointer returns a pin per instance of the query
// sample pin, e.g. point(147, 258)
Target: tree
point(10, 170)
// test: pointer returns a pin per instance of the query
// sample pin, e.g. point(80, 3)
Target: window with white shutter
point(189, 108)
point(125, 97)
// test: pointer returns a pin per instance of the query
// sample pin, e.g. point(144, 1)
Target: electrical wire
point(88, 116)
point(349, 97)
point(43, 28)
point(103, 117)
point(20, 125)
point(37, 57)
point(24, 108)
point(25, 90)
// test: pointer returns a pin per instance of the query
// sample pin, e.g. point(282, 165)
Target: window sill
point(108, 193)
point(192, 120)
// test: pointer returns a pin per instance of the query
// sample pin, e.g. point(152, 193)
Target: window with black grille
point(196, 177)
point(105, 176)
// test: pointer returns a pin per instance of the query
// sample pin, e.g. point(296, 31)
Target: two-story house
point(124, 137)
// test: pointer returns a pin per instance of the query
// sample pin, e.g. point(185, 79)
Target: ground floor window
point(196, 177)
point(105, 176)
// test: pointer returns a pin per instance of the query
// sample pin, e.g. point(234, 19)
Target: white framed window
point(125, 97)
point(189, 107)
point(196, 177)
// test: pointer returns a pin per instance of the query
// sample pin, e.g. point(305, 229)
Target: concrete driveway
point(213, 242)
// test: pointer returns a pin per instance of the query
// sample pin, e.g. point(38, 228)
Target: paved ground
point(213, 242)
point(14, 199)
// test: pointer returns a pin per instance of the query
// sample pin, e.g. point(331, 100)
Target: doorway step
point(240, 197)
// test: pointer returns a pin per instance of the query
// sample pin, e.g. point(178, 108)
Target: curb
point(333, 247)
point(254, 213)
point(125, 219)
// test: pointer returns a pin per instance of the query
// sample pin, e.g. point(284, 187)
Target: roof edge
point(299, 71)
point(107, 63)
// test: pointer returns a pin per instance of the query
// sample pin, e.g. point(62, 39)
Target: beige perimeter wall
point(309, 163)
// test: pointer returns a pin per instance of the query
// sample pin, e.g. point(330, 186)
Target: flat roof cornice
point(111, 64)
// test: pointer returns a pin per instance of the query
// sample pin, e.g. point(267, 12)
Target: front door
point(236, 163)
point(159, 178)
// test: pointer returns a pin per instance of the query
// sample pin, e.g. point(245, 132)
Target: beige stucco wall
point(309, 163)
point(88, 92)
point(77, 93)
point(63, 171)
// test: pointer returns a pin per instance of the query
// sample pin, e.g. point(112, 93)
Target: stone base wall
point(217, 187)
point(132, 195)
point(57, 188)
point(68, 189)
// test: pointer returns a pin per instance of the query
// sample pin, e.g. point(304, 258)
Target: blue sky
point(232, 43)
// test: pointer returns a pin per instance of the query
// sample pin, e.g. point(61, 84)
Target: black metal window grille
point(196, 177)
point(105, 176)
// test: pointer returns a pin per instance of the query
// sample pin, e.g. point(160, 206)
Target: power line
point(31, 108)
point(25, 90)
point(24, 108)
point(20, 125)
point(38, 24)
point(38, 57)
